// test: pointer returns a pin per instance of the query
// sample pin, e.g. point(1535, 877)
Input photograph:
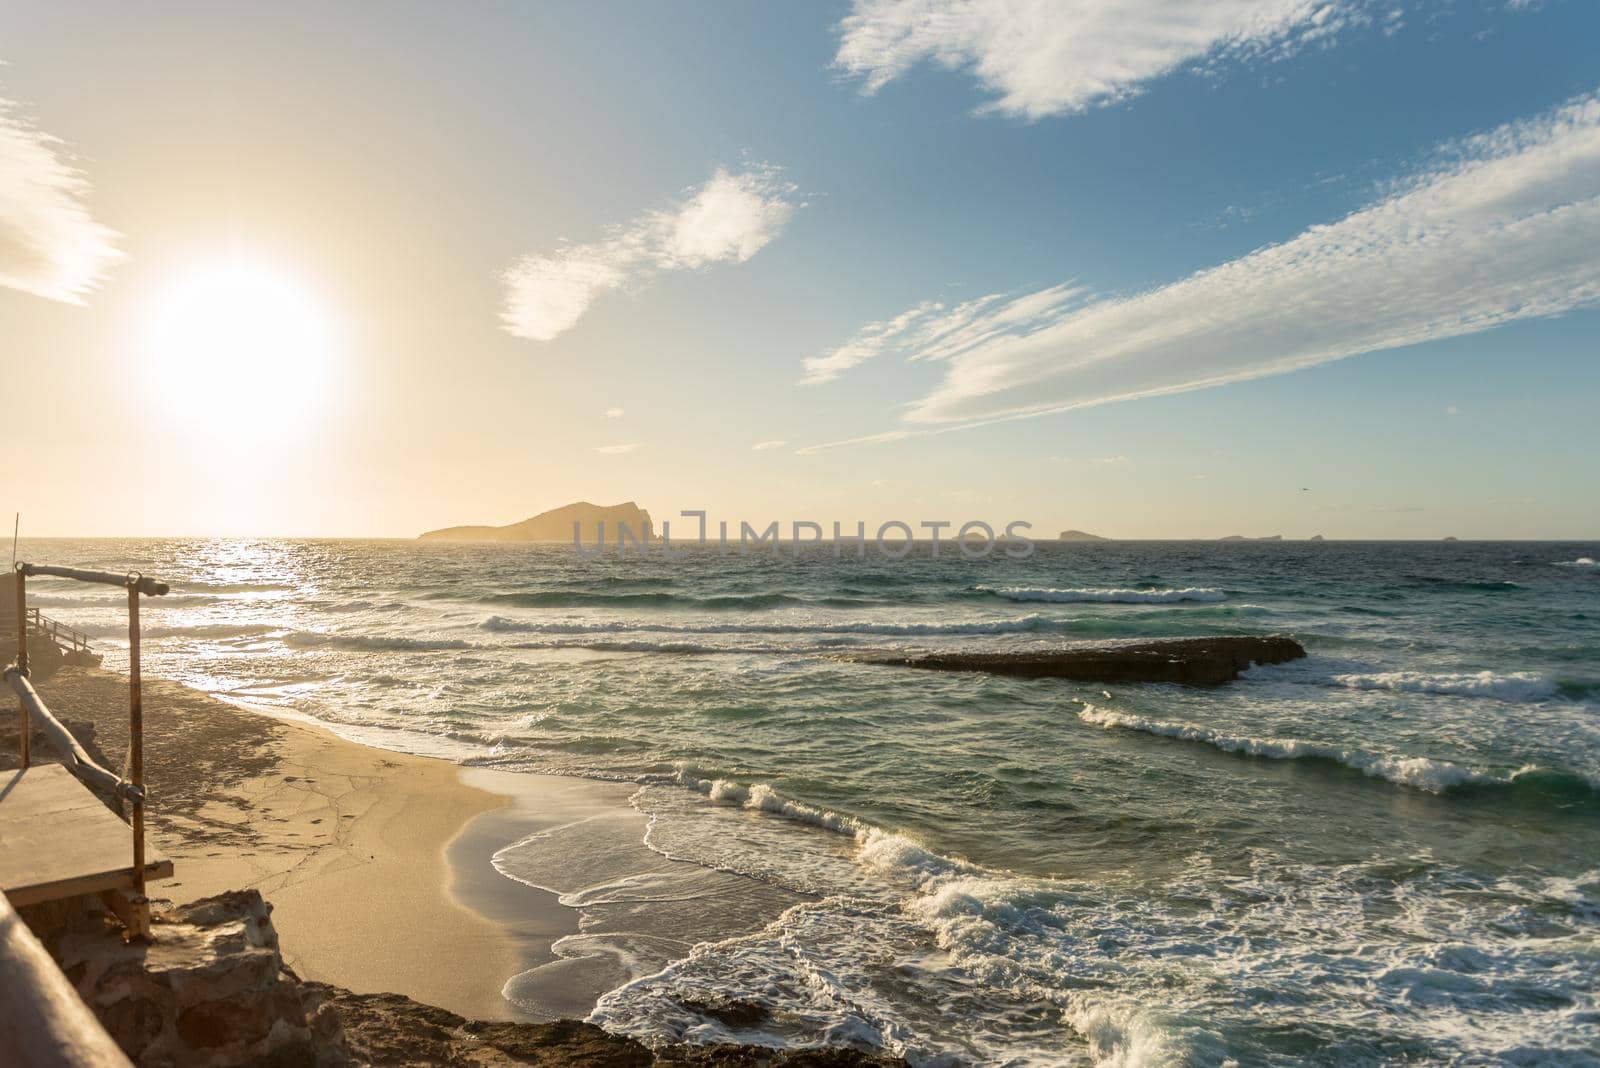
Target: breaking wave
point(1421, 773)
point(1101, 596)
point(1023, 624)
point(581, 599)
point(310, 639)
point(1516, 686)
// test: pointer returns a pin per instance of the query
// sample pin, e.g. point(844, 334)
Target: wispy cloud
point(49, 245)
point(727, 220)
point(934, 331)
point(613, 413)
point(616, 450)
point(1055, 57)
point(763, 446)
point(1507, 229)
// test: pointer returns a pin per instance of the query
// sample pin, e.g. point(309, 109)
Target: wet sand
point(380, 865)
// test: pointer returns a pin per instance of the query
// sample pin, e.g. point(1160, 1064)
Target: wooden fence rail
point(31, 709)
point(75, 640)
point(73, 755)
point(43, 1022)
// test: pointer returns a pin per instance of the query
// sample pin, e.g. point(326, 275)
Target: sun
point(234, 345)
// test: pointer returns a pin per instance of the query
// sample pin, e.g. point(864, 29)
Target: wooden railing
point(70, 638)
point(76, 758)
point(43, 1022)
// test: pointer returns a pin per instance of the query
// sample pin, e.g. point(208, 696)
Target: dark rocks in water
point(1192, 661)
point(731, 1013)
point(212, 989)
point(389, 1029)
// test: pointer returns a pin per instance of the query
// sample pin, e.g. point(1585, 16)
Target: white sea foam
point(1582, 561)
point(1137, 982)
point(394, 642)
point(1104, 596)
point(1422, 773)
point(1020, 624)
point(1515, 686)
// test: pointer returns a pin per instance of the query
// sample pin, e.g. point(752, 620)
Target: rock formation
point(556, 525)
point(1192, 661)
point(211, 990)
point(1079, 535)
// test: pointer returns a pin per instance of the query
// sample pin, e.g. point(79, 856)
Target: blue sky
point(749, 198)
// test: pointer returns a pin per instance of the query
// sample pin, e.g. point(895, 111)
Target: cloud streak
point(1507, 229)
point(1057, 57)
point(49, 245)
point(934, 331)
point(727, 220)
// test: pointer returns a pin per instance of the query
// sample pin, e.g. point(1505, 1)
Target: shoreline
point(381, 867)
point(348, 842)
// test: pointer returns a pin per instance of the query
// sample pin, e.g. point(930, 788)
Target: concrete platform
point(58, 840)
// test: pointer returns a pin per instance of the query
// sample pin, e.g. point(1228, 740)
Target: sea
point(1386, 852)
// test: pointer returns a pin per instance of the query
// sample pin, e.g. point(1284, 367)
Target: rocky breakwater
point(1191, 661)
point(210, 989)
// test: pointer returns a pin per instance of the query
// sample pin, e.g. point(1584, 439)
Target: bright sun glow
point(235, 348)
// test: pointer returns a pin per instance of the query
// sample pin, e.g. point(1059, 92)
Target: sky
point(1144, 268)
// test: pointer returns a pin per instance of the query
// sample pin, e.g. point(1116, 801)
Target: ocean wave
point(897, 857)
point(1465, 585)
point(196, 631)
point(1582, 561)
point(1106, 596)
point(1417, 772)
point(1023, 624)
point(582, 599)
point(1135, 978)
point(233, 587)
point(310, 639)
point(1516, 686)
point(92, 600)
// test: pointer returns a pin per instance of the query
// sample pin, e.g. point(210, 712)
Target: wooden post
point(136, 756)
point(22, 663)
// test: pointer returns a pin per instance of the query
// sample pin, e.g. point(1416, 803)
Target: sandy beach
point(377, 863)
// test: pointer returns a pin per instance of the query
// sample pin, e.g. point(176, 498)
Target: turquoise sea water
point(1387, 852)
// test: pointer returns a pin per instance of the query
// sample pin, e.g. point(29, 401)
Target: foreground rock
point(1192, 661)
point(387, 1029)
point(211, 990)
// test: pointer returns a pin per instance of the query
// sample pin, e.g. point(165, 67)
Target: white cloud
point(616, 450)
point(932, 331)
point(727, 220)
point(613, 413)
point(763, 446)
point(49, 246)
point(1509, 229)
point(1055, 57)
